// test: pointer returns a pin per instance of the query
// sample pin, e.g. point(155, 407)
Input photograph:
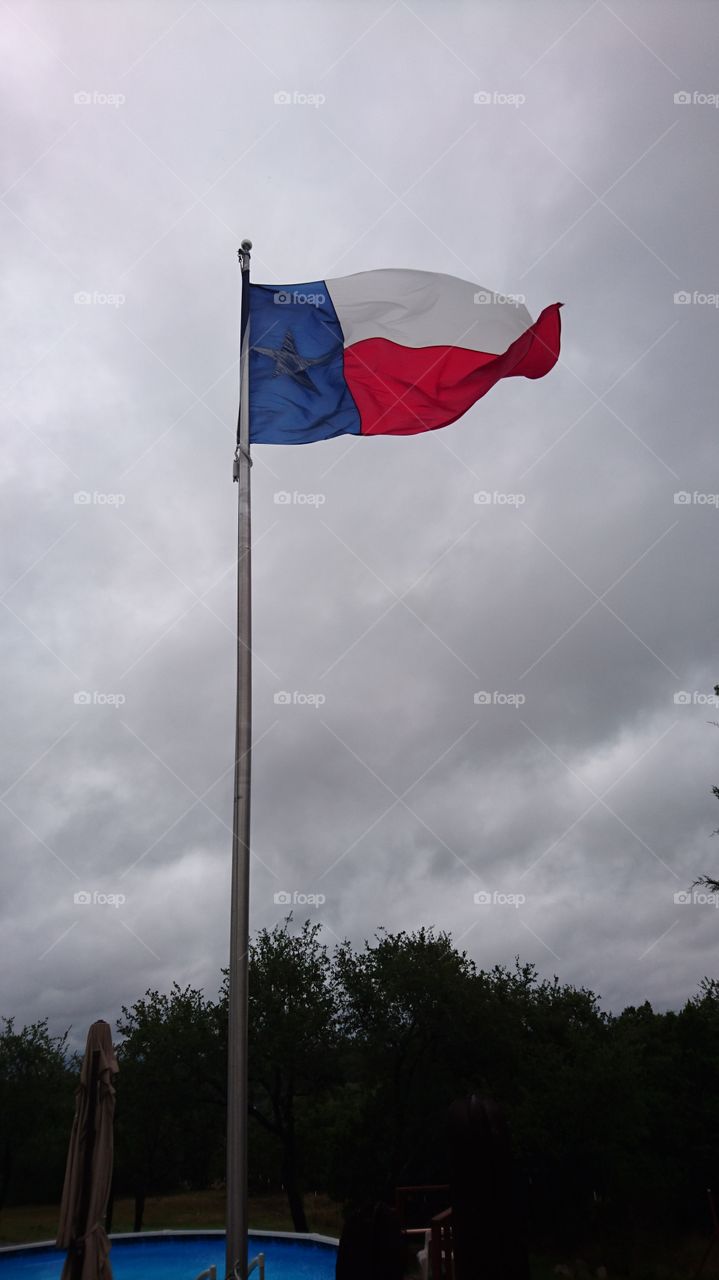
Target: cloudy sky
point(145, 141)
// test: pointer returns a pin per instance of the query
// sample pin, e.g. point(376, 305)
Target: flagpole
point(237, 1031)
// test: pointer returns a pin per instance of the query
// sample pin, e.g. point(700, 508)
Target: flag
point(384, 353)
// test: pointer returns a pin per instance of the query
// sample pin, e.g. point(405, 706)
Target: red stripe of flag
point(405, 390)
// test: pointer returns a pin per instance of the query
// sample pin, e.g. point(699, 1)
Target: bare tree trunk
point(292, 1186)
point(139, 1208)
point(6, 1175)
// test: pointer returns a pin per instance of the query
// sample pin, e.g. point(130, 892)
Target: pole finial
point(243, 254)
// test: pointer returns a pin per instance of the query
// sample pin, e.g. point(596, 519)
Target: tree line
point(355, 1057)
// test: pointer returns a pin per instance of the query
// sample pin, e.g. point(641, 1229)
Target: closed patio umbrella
point(88, 1172)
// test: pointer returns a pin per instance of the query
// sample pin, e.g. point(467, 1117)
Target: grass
point(200, 1210)
point(24, 1224)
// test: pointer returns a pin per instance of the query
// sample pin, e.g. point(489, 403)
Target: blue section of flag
point(298, 392)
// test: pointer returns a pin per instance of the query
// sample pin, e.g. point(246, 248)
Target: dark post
point(487, 1223)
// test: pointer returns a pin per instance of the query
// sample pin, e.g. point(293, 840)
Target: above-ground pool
point(182, 1256)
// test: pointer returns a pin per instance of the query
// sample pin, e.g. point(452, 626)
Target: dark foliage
point(356, 1056)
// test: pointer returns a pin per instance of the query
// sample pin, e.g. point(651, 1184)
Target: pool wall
point(169, 1232)
point(288, 1251)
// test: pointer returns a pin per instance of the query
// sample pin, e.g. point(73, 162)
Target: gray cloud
point(399, 597)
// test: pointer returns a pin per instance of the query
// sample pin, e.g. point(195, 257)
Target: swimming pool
point(182, 1256)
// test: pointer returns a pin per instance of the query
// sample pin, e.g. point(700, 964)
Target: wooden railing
point(404, 1195)
point(439, 1226)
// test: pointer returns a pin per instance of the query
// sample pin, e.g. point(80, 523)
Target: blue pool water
point(181, 1258)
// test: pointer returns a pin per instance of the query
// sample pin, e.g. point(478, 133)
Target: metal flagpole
point(237, 1038)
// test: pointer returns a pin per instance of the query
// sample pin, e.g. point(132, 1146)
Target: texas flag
point(384, 353)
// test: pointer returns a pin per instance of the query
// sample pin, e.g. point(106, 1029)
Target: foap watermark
point(96, 698)
point(684, 499)
point(285, 499)
point(83, 298)
point(286, 297)
point(296, 698)
point(493, 498)
point(696, 898)
point(296, 98)
point(86, 898)
point(95, 98)
point(296, 899)
point(496, 98)
point(685, 698)
point(483, 298)
point(683, 298)
point(696, 98)
point(483, 698)
point(85, 498)
point(498, 899)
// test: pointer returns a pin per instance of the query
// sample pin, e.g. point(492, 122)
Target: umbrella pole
point(78, 1245)
point(237, 1037)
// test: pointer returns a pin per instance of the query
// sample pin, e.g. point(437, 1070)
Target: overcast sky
point(144, 142)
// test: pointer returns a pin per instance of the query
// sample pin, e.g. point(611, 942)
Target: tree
point(293, 1036)
point(36, 1091)
point(171, 1093)
point(406, 1021)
